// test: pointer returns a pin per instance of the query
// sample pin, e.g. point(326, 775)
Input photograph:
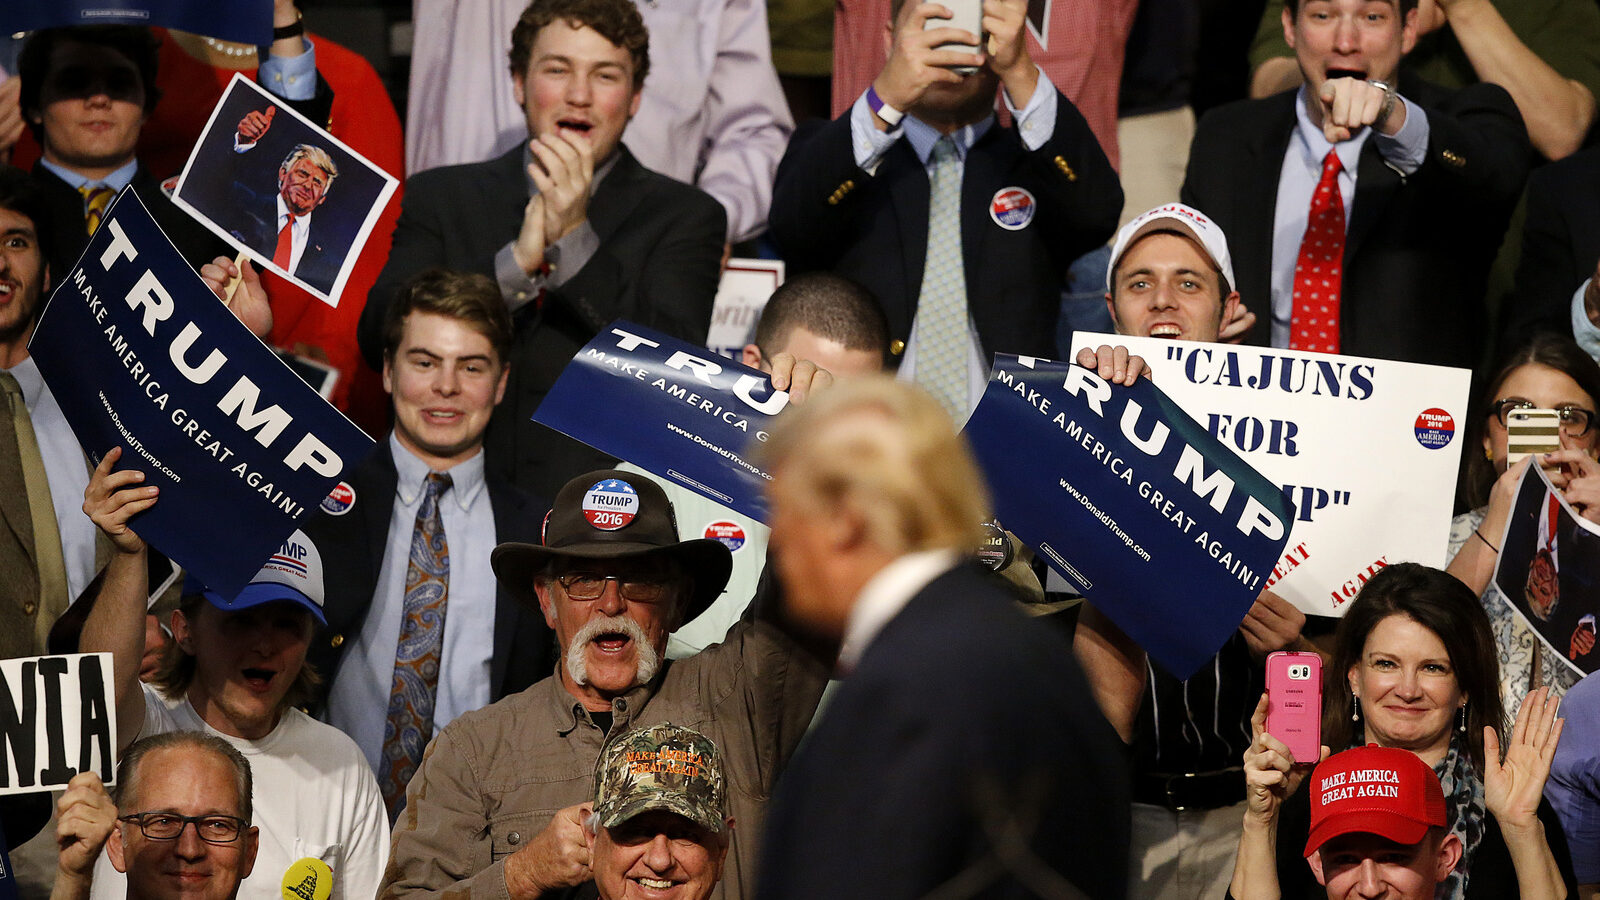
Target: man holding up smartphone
point(919, 181)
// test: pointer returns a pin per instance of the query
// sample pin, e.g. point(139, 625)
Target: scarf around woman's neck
point(1464, 810)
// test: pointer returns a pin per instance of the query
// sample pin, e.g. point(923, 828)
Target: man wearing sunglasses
point(183, 818)
point(498, 805)
point(87, 92)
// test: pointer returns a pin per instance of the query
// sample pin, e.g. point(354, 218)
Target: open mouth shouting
point(1345, 72)
point(571, 126)
point(1166, 330)
point(612, 642)
point(258, 680)
point(607, 641)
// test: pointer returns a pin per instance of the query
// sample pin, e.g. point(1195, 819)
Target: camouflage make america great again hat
point(666, 767)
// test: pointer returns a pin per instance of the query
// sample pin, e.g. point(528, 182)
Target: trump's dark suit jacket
point(255, 222)
point(352, 547)
point(829, 214)
point(965, 725)
point(1560, 246)
point(658, 265)
point(1418, 247)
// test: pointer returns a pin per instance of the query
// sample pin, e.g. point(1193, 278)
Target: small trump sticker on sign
point(57, 719)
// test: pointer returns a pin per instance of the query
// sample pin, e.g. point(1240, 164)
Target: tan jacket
point(493, 778)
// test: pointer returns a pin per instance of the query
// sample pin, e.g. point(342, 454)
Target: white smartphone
point(968, 16)
point(1531, 431)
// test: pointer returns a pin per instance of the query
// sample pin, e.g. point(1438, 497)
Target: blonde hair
point(886, 451)
point(316, 156)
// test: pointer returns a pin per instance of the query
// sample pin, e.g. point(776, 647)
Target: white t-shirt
point(314, 796)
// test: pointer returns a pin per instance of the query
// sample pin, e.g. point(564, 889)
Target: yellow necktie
point(47, 555)
point(96, 199)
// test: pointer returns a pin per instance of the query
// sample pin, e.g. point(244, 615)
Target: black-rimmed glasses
point(165, 826)
point(1575, 420)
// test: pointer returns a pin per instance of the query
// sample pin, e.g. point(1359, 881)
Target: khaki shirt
point(493, 778)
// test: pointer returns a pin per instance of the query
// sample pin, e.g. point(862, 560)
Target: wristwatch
point(293, 29)
point(1389, 100)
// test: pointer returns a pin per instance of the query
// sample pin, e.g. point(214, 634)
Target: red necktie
point(280, 255)
point(1314, 323)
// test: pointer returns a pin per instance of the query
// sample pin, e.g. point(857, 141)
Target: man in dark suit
point(573, 229)
point(422, 496)
point(1427, 180)
point(276, 214)
point(963, 744)
point(86, 93)
point(1556, 287)
point(962, 229)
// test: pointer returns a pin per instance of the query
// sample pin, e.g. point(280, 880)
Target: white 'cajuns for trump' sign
point(1366, 449)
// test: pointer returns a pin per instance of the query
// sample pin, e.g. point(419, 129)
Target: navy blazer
point(1418, 247)
point(964, 723)
point(68, 236)
point(352, 546)
point(829, 214)
point(658, 264)
point(1560, 247)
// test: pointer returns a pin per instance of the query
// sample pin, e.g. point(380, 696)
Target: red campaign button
point(1012, 208)
point(340, 499)
point(729, 533)
point(1435, 428)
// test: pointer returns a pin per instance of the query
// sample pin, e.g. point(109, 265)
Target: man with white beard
point(498, 805)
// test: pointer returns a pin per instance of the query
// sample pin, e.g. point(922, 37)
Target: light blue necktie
point(943, 340)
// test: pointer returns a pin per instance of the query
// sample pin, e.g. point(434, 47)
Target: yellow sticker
point(308, 879)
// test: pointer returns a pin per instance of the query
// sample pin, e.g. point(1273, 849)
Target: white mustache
point(648, 661)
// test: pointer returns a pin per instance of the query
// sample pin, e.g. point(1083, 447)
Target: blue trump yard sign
point(140, 354)
point(1165, 530)
point(244, 21)
point(671, 408)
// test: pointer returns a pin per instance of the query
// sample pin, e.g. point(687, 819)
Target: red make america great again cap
point(1384, 791)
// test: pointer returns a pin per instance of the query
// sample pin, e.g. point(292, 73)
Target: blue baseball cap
point(293, 573)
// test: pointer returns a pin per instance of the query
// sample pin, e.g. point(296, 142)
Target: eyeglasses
point(165, 826)
point(589, 586)
point(1575, 420)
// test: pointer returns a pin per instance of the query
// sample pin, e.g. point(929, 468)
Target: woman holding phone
point(1548, 372)
point(1416, 669)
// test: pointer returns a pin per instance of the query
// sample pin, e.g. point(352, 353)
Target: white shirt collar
point(884, 595)
point(301, 222)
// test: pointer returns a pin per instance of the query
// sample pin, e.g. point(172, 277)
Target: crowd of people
point(507, 664)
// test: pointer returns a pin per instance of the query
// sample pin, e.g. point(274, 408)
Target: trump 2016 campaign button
point(729, 533)
point(339, 500)
point(1435, 428)
point(1012, 208)
point(609, 505)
